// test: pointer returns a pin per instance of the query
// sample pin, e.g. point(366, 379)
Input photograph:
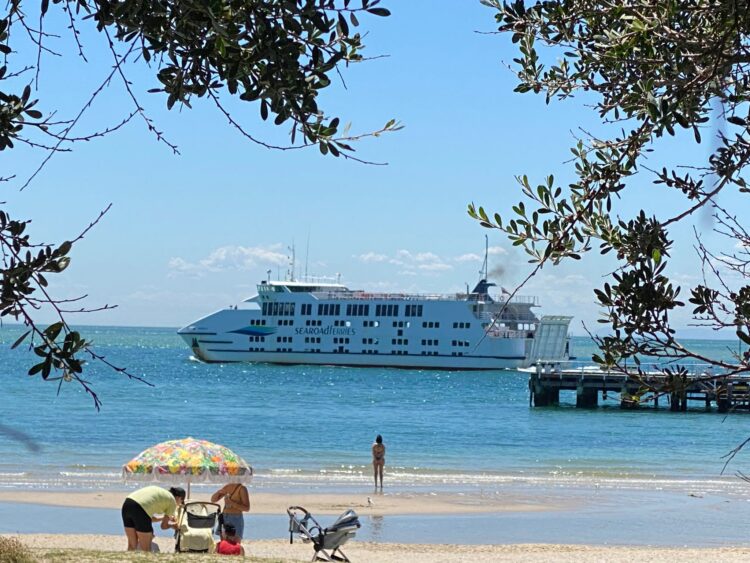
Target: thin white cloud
point(470, 257)
point(426, 257)
point(371, 257)
point(496, 250)
point(227, 258)
point(410, 262)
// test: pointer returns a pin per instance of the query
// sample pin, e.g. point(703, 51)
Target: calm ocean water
point(305, 426)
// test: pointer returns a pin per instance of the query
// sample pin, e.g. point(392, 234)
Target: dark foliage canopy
point(277, 54)
point(653, 68)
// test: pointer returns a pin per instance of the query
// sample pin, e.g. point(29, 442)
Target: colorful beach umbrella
point(188, 460)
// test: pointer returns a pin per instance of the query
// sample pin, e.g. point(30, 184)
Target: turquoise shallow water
point(611, 476)
point(313, 426)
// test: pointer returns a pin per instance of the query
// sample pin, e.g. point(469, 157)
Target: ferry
point(302, 322)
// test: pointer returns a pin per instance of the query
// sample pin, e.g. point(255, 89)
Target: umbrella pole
point(188, 491)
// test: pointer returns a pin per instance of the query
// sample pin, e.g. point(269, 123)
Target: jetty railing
point(694, 382)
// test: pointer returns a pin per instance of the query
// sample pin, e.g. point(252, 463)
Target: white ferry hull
point(405, 361)
point(293, 323)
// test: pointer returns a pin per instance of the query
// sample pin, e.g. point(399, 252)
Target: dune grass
point(91, 556)
point(13, 550)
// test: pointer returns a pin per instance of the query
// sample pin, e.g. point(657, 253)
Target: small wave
point(88, 474)
point(285, 471)
point(463, 480)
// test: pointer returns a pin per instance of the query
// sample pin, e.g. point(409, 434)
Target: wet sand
point(325, 503)
point(590, 518)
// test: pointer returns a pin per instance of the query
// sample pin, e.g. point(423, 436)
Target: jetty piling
point(698, 385)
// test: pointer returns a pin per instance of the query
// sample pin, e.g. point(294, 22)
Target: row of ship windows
point(366, 324)
point(368, 351)
point(278, 309)
point(345, 340)
point(337, 322)
point(357, 310)
point(372, 324)
point(283, 309)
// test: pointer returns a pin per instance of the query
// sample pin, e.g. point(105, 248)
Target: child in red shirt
point(230, 543)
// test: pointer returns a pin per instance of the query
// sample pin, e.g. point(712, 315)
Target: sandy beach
point(46, 547)
point(92, 547)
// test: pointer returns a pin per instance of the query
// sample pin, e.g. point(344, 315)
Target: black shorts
point(133, 516)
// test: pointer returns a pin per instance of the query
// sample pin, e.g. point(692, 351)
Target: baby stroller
point(195, 523)
point(326, 542)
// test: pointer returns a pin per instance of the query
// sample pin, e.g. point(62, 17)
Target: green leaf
point(736, 120)
point(53, 330)
point(20, 339)
point(64, 248)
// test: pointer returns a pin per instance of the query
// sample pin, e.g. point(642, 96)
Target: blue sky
point(192, 233)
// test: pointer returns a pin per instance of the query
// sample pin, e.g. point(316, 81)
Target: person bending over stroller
point(139, 511)
point(230, 543)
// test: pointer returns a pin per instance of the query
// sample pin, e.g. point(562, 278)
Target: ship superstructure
point(297, 322)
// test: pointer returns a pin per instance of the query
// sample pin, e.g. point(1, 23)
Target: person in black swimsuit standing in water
point(378, 460)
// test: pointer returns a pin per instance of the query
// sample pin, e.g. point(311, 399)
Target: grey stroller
point(326, 542)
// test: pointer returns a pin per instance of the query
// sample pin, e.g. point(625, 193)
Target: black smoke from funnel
point(496, 272)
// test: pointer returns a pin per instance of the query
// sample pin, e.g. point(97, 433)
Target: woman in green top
point(140, 508)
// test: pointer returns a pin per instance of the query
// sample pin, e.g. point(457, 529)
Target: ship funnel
point(481, 291)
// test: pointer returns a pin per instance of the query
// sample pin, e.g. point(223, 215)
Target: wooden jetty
point(728, 393)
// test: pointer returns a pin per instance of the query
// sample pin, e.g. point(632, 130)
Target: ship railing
point(525, 299)
point(509, 333)
point(370, 296)
point(507, 316)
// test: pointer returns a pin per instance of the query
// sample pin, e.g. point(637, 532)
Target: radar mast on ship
point(481, 291)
